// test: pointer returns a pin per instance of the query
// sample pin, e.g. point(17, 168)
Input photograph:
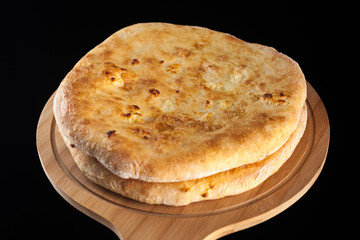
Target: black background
point(41, 42)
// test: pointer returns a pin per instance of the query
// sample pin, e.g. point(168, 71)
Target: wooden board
point(210, 219)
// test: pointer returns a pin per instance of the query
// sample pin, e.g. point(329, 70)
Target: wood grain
point(211, 219)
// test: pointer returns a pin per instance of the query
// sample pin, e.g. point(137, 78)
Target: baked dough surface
point(168, 103)
point(231, 182)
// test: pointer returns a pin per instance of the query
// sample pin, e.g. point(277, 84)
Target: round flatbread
point(167, 103)
point(231, 182)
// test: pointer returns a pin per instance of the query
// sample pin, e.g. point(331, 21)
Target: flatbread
point(167, 103)
point(231, 182)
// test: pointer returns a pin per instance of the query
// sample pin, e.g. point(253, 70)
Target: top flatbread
point(164, 103)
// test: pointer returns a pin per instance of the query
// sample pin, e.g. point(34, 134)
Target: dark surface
point(43, 42)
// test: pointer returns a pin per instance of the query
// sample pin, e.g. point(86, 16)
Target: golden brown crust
point(163, 103)
point(231, 182)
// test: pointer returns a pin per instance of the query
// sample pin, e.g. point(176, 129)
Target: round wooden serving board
point(210, 219)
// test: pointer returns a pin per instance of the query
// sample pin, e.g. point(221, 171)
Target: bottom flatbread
point(231, 182)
